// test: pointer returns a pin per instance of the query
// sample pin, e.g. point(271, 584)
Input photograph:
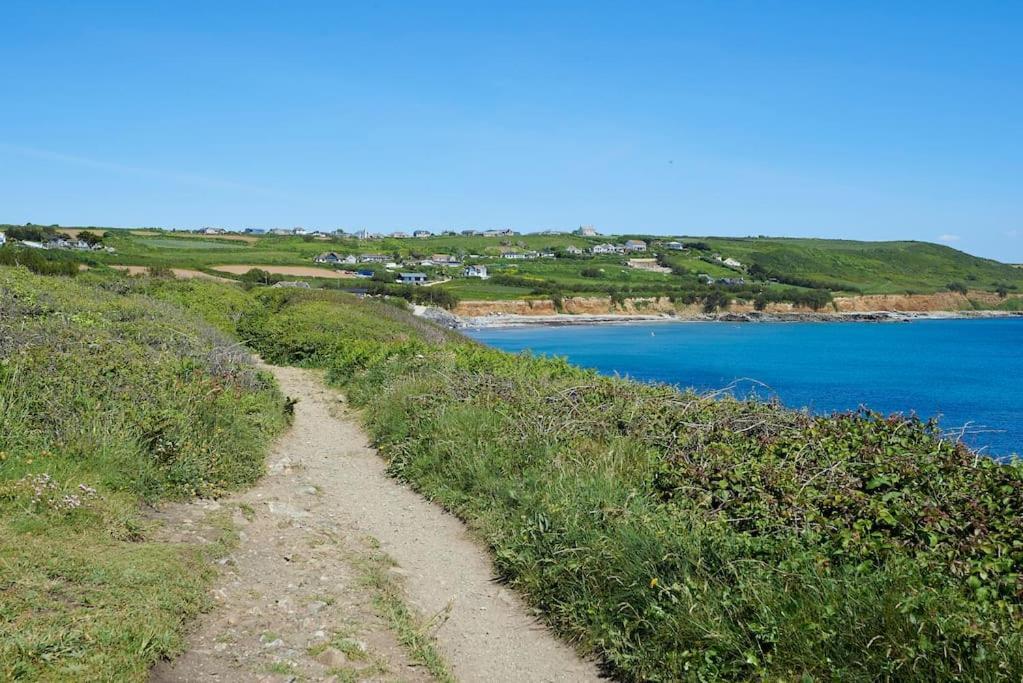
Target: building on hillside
point(587, 231)
point(444, 259)
point(674, 246)
point(635, 245)
point(364, 273)
point(373, 258)
point(3, 239)
point(397, 234)
point(606, 248)
point(213, 231)
point(471, 233)
point(412, 278)
point(479, 271)
point(573, 250)
point(732, 263)
point(331, 257)
point(422, 234)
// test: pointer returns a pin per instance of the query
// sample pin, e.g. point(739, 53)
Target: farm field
point(779, 267)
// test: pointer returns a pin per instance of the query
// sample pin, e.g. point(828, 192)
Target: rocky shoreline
point(499, 320)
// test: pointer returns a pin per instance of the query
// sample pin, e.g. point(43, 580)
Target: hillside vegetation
point(109, 399)
point(675, 536)
point(870, 267)
point(684, 537)
point(807, 272)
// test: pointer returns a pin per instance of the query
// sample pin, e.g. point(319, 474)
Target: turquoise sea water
point(969, 373)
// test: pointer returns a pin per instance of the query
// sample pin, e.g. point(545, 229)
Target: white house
point(635, 245)
point(3, 239)
point(373, 258)
point(605, 249)
point(675, 246)
point(574, 250)
point(422, 233)
point(732, 263)
point(479, 271)
point(399, 235)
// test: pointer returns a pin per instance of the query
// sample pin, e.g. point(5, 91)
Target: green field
point(775, 265)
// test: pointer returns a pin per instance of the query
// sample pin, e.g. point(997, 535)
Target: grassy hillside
point(109, 398)
point(682, 537)
point(873, 267)
point(771, 265)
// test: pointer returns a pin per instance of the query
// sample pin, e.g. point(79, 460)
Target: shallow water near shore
point(969, 373)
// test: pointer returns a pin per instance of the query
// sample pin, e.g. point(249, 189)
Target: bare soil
point(290, 604)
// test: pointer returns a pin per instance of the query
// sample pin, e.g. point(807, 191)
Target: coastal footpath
point(662, 534)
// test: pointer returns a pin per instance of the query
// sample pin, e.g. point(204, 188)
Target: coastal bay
point(960, 370)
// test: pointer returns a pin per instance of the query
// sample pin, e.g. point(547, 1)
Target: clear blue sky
point(867, 120)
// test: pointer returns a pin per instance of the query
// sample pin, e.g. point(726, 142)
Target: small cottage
point(412, 278)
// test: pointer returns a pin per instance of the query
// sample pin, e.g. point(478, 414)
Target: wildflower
point(653, 582)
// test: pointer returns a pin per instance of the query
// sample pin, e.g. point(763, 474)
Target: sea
point(966, 372)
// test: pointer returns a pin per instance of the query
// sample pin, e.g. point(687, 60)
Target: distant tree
point(956, 287)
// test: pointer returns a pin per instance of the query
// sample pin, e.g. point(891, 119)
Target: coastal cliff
point(860, 307)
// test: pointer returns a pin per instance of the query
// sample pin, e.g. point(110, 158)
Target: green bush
point(38, 261)
point(109, 398)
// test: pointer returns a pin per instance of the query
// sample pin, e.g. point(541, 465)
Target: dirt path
point(301, 595)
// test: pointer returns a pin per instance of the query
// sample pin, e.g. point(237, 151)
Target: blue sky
point(866, 120)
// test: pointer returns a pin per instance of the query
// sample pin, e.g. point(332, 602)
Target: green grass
point(872, 267)
point(841, 266)
point(109, 398)
point(191, 245)
point(413, 633)
point(681, 537)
